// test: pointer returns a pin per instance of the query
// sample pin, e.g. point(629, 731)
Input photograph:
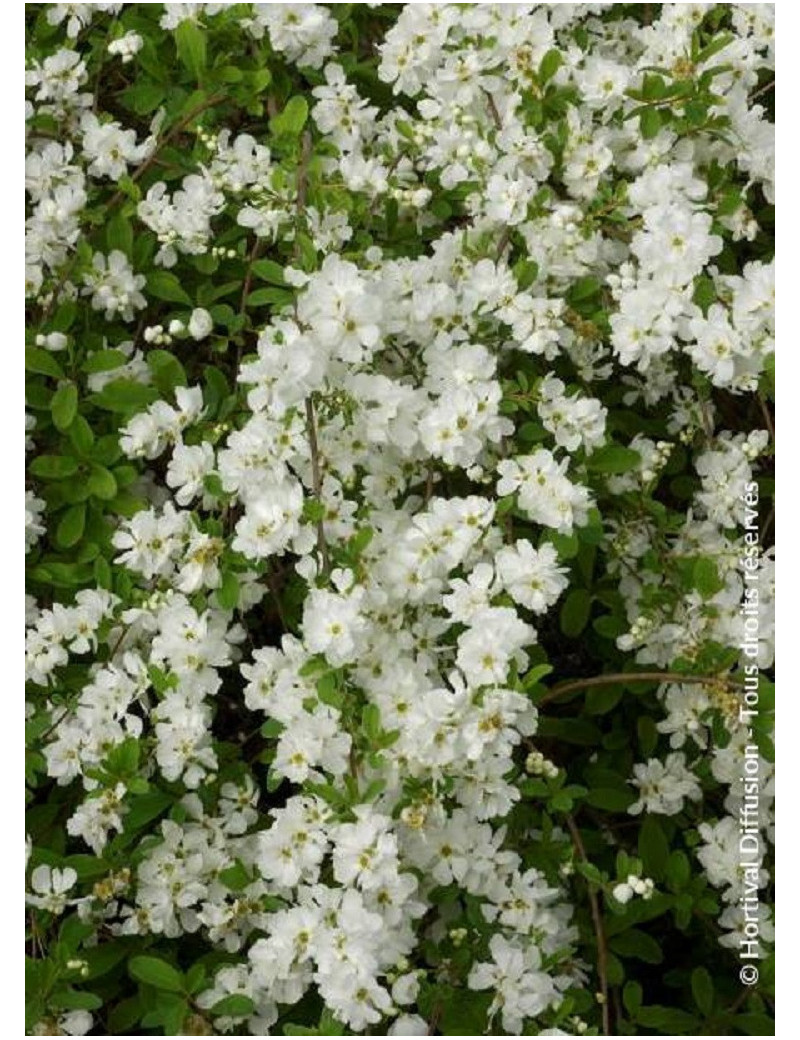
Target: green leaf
point(632, 997)
point(649, 123)
point(638, 944)
point(124, 1016)
point(583, 289)
point(575, 612)
point(70, 999)
point(611, 799)
point(550, 65)
point(81, 435)
point(371, 721)
point(526, 272)
point(144, 808)
point(535, 675)
point(155, 972)
point(703, 990)
point(602, 700)
point(164, 285)
point(124, 395)
point(103, 361)
point(228, 592)
point(65, 315)
point(101, 483)
point(678, 869)
point(667, 1020)
point(647, 734)
point(269, 271)
point(237, 1005)
point(70, 528)
point(167, 370)
point(42, 362)
point(754, 1024)
point(190, 41)
point(653, 848)
point(119, 235)
point(64, 405)
point(573, 731)
point(54, 467)
point(292, 119)
point(613, 458)
point(269, 298)
point(144, 98)
point(235, 878)
point(123, 760)
point(705, 577)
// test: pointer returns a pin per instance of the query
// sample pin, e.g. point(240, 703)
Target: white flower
point(663, 786)
point(50, 887)
point(126, 46)
point(200, 323)
point(532, 577)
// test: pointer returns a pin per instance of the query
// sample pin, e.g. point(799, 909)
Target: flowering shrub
point(398, 522)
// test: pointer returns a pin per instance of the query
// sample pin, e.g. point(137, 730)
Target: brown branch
point(612, 678)
point(767, 417)
point(67, 270)
point(505, 238)
point(762, 90)
point(436, 1014)
point(276, 596)
point(599, 929)
point(498, 122)
point(429, 485)
point(248, 277)
point(302, 173)
point(767, 525)
point(311, 429)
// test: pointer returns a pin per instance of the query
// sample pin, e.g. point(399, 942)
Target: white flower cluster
point(369, 467)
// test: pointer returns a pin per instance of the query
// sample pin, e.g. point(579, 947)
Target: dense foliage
point(398, 519)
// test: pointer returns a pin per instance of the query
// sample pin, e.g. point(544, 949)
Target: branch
point(302, 173)
point(611, 679)
point(762, 90)
point(597, 921)
point(505, 238)
point(767, 417)
point(248, 278)
point(498, 122)
point(311, 429)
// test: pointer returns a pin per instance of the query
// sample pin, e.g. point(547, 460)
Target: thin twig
point(599, 929)
point(436, 1014)
point(311, 430)
point(311, 424)
point(613, 678)
point(498, 122)
point(54, 726)
point(302, 173)
point(767, 417)
point(762, 90)
point(275, 593)
point(429, 485)
point(67, 270)
point(248, 281)
point(767, 524)
point(505, 238)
